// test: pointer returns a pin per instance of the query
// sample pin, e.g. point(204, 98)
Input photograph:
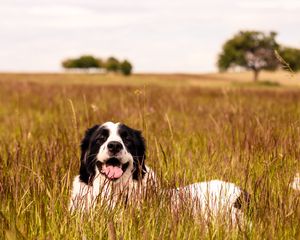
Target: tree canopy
point(87, 62)
point(252, 50)
point(291, 56)
point(83, 62)
point(112, 65)
point(126, 67)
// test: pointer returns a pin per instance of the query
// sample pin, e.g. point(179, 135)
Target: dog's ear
point(87, 167)
point(139, 157)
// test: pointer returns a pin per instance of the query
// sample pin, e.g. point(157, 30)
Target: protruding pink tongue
point(112, 172)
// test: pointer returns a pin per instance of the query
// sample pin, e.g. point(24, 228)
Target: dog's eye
point(124, 135)
point(101, 139)
point(127, 140)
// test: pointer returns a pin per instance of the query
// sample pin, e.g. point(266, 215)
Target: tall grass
point(249, 137)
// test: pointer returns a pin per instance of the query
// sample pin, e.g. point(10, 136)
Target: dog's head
point(114, 150)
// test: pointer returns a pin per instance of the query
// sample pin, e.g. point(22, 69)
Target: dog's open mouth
point(113, 169)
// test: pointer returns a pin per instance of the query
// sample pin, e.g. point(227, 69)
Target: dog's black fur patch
point(135, 144)
point(88, 149)
point(96, 136)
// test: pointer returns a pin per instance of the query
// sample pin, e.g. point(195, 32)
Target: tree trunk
point(256, 73)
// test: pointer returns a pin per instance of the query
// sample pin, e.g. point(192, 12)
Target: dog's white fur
point(85, 197)
point(211, 200)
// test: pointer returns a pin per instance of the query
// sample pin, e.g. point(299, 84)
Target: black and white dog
point(113, 167)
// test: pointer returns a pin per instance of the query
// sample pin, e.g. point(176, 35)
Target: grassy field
point(197, 127)
point(216, 80)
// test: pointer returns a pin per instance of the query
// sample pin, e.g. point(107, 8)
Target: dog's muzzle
point(113, 169)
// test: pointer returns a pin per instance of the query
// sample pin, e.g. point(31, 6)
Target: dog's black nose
point(114, 147)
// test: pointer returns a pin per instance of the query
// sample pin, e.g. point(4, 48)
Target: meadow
point(197, 128)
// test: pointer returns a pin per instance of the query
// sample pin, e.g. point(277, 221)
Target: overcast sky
point(155, 35)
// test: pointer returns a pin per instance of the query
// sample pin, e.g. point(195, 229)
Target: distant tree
point(251, 50)
point(83, 62)
point(291, 56)
point(69, 63)
point(126, 67)
point(112, 65)
point(87, 61)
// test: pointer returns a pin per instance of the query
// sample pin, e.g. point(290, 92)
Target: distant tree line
point(257, 51)
point(87, 62)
